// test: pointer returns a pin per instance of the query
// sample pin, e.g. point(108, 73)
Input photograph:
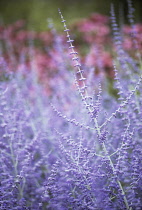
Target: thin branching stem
point(98, 128)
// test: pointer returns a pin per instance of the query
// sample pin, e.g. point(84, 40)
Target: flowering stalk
point(85, 95)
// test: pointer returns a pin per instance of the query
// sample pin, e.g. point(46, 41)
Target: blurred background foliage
point(36, 12)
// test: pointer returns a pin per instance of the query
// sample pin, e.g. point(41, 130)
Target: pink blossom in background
point(92, 36)
point(99, 18)
point(98, 35)
point(133, 36)
point(85, 25)
point(127, 44)
point(99, 59)
point(94, 29)
point(46, 37)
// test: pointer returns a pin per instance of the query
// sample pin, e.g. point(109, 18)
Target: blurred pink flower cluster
point(21, 47)
point(99, 58)
point(133, 38)
point(94, 29)
point(94, 32)
point(93, 40)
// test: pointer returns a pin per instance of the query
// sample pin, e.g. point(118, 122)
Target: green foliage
point(36, 12)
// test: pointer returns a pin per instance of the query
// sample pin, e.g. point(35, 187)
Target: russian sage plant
point(79, 148)
point(99, 166)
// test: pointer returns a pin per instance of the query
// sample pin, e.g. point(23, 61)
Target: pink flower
point(98, 18)
point(86, 26)
point(46, 37)
point(94, 29)
point(21, 36)
point(99, 58)
point(127, 44)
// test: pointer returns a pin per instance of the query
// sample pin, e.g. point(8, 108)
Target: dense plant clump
point(73, 145)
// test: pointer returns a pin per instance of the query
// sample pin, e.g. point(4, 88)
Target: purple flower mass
point(70, 125)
